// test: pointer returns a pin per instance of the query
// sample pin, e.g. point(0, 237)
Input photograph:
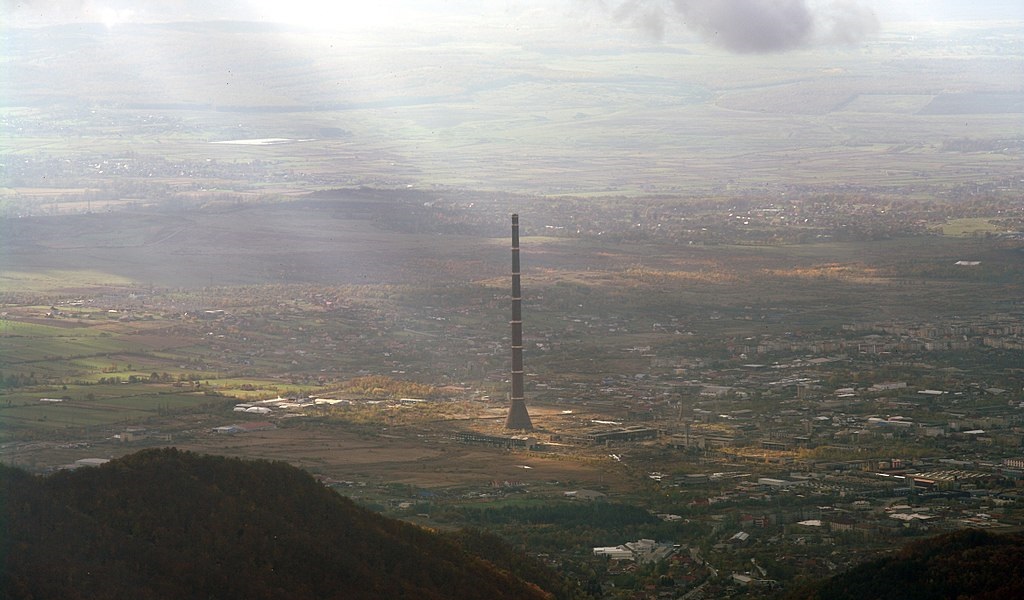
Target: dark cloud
point(749, 25)
point(743, 26)
point(756, 26)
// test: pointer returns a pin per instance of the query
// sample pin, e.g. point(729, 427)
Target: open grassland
point(48, 279)
point(971, 227)
point(26, 413)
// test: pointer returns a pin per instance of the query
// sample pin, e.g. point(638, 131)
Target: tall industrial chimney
point(518, 417)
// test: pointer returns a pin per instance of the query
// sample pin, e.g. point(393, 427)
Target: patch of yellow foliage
point(837, 271)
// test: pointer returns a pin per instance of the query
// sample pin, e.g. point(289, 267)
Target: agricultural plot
point(31, 349)
point(971, 227)
point(74, 407)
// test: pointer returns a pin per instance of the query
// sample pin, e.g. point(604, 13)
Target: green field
point(971, 227)
point(89, 406)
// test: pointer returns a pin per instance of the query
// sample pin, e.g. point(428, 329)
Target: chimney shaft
point(518, 416)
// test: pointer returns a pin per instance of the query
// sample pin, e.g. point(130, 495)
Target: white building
point(614, 552)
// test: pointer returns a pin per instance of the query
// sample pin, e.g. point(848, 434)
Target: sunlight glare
point(316, 14)
point(112, 17)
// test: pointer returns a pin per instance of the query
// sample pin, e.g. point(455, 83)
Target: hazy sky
point(741, 25)
point(528, 80)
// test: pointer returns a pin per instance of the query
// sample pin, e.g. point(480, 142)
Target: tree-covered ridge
point(171, 524)
point(968, 564)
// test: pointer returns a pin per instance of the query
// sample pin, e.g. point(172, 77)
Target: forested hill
point(965, 565)
point(171, 524)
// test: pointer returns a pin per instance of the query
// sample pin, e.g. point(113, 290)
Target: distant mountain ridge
point(171, 524)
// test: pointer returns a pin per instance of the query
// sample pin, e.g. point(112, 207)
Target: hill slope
point(968, 564)
point(170, 524)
